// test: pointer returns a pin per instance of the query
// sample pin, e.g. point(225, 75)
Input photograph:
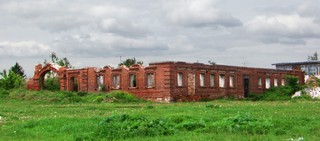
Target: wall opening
point(268, 83)
point(150, 80)
point(100, 84)
point(259, 82)
point(180, 79)
point(222, 81)
point(231, 81)
point(211, 80)
point(246, 85)
point(49, 81)
point(282, 82)
point(133, 80)
point(275, 83)
point(73, 84)
point(202, 80)
point(116, 82)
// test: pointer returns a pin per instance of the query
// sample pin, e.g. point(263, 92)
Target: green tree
point(293, 82)
point(11, 80)
point(64, 62)
point(18, 70)
point(211, 62)
point(314, 57)
point(130, 61)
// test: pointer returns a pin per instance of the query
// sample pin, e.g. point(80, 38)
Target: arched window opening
point(49, 81)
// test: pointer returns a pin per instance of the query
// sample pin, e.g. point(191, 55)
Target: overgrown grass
point(36, 118)
point(283, 93)
point(69, 97)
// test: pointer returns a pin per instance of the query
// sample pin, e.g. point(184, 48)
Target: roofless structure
point(168, 81)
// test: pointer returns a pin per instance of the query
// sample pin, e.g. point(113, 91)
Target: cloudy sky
point(97, 32)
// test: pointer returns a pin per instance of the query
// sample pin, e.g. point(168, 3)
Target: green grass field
point(44, 119)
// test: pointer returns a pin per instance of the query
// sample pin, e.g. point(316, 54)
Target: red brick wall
point(165, 78)
point(180, 93)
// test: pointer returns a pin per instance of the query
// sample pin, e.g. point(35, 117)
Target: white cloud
point(23, 49)
point(123, 27)
point(285, 25)
point(199, 13)
point(51, 16)
point(309, 8)
point(106, 45)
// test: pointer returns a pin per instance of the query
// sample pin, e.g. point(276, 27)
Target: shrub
point(150, 107)
point(11, 81)
point(4, 93)
point(292, 81)
point(98, 99)
point(70, 97)
point(122, 97)
point(274, 93)
point(82, 93)
point(244, 122)
point(52, 84)
point(126, 126)
point(191, 125)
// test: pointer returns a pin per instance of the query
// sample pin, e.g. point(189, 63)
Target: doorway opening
point(49, 81)
point(246, 85)
point(73, 84)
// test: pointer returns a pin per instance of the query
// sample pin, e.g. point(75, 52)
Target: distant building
point(308, 67)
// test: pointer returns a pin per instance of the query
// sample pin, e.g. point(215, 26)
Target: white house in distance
point(308, 67)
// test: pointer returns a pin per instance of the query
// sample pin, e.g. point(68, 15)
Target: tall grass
point(69, 97)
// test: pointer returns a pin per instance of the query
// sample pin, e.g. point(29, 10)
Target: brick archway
point(38, 79)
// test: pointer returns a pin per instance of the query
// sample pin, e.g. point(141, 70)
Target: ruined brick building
point(168, 81)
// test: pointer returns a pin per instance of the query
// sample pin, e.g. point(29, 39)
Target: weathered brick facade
point(168, 81)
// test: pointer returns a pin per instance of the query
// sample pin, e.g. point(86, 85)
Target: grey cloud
point(23, 49)
point(286, 29)
point(108, 45)
point(123, 28)
point(281, 40)
point(202, 13)
point(309, 8)
point(53, 16)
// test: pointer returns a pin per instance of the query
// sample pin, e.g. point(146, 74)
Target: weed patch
point(126, 126)
point(4, 93)
point(244, 122)
point(282, 93)
point(69, 97)
point(213, 106)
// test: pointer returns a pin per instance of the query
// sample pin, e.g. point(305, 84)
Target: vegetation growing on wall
point(279, 93)
point(130, 61)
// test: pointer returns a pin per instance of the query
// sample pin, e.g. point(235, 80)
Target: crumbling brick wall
point(159, 81)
